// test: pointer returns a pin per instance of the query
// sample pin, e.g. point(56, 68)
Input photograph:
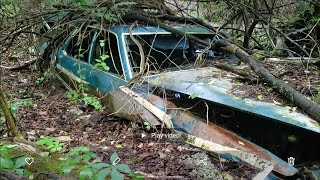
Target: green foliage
point(115, 170)
point(305, 12)
point(80, 72)
point(110, 13)
point(270, 89)
point(52, 144)
point(11, 164)
point(93, 101)
point(118, 146)
point(136, 176)
point(14, 107)
point(260, 97)
point(79, 95)
point(85, 98)
point(259, 55)
point(292, 138)
point(147, 125)
point(26, 102)
point(216, 12)
point(193, 95)
point(76, 157)
point(275, 21)
point(100, 64)
point(73, 95)
point(7, 8)
point(81, 159)
point(42, 78)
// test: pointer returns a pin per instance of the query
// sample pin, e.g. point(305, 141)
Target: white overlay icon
point(143, 135)
point(291, 161)
point(29, 160)
point(204, 161)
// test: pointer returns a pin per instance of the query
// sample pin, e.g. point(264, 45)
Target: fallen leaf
point(241, 143)
point(162, 155)
point(50, 129)
point(260, 97)
point(140, 146)
point(43, 113)
point(276, 102)
point(33, 132)
point(64, 138)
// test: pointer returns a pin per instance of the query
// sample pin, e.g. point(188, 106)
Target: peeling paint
point(209, 84)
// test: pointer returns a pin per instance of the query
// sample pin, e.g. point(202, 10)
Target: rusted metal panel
point(123, 105)
point(211, 132)
point(215, 85)
point(204, 131)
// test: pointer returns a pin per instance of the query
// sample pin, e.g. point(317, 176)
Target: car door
point(79, 60)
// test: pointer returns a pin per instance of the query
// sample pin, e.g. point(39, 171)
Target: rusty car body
point(173, 82)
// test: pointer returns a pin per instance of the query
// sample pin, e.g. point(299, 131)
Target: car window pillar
point(91, 48)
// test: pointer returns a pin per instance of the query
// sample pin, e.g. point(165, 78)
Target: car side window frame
point(94, 42)
point(67, 43)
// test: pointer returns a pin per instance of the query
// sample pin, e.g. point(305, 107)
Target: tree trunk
point(10, 121)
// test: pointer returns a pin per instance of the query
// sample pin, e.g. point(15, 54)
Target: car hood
point(215, 85)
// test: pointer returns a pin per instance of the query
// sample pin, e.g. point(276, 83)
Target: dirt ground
point(50, 113)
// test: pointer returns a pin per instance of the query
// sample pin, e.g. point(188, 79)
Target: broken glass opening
point(167, 51)
point(105, 50)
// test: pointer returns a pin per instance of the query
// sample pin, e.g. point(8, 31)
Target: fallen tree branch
point(196, 21)
point(293, 95)
point(232, 69)
point(8, 175)
point(151, 176)
point(141, 52)
point(24, 65)
point(295, 60)
point(307, 105)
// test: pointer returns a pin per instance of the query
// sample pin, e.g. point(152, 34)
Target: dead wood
point(301, 101)
point(24, 65)
point(7, 175)
point(151, 176)
point(195, 21)
point(232, 69)
point(293, 95)
point(166, 27)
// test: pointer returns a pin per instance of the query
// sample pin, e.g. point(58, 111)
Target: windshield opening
point(166, 51)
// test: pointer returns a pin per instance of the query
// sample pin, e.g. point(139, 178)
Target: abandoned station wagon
point(181, 90)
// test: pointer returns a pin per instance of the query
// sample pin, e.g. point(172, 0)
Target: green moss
point(40, 164)
point(184, 136)
point(191, 140)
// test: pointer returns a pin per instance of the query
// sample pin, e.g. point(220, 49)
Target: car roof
point(141, 29)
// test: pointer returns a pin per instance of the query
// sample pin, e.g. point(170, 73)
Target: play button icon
point(143, 135)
